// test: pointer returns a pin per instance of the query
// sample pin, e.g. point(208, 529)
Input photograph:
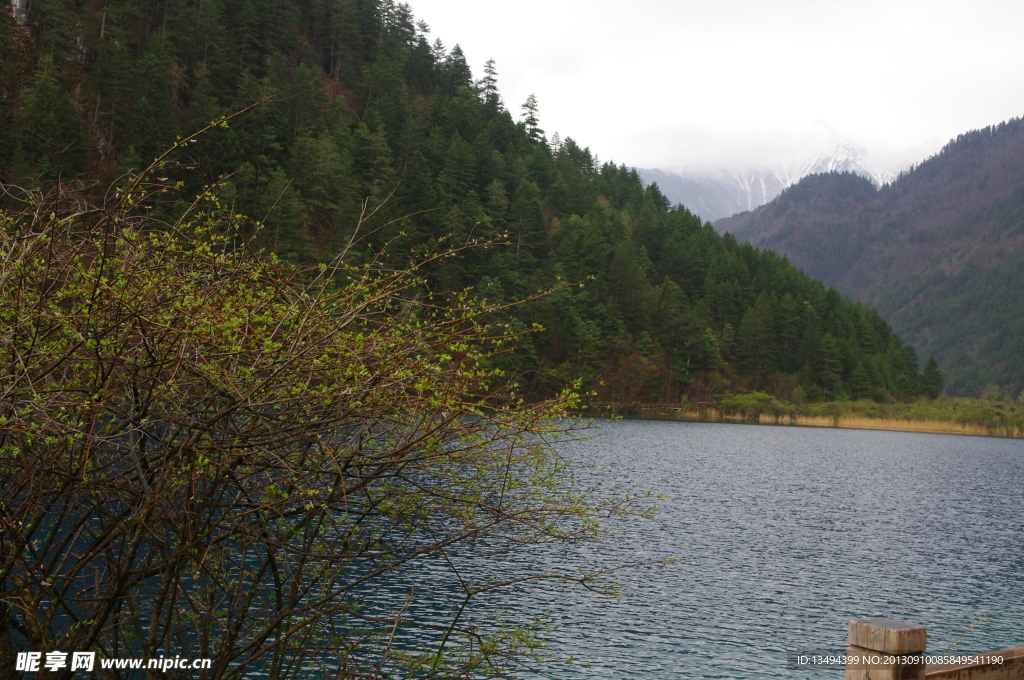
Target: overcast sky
point(747, 83)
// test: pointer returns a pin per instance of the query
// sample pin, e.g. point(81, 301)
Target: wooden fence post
point(882, 647)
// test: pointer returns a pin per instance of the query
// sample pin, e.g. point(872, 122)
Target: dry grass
point(963, 416)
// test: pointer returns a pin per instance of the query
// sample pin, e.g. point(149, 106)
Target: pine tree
point(456, 70)
point(438, 51)
point(51, 131)
point(489, 88)
point(530, 118)
point(489, 83)
point(932, 378)
point(422, 29)
point(526, 217)
point(860, 383)
point(757, 338)
point(829, 368)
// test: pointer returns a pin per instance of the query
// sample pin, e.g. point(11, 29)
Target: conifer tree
point(457, 73)
point(757, 338)
point(438, 51)
point(932, 378)
point(51, 130)
point(489, 88)
point(530, 118)
point(489, 83)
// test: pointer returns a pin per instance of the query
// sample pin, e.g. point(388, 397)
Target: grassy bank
point(945, 415)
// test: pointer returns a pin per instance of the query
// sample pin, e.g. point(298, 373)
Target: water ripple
point(787, 533)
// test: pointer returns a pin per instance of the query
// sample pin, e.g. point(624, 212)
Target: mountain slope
point(939, 250)
point(716, 195)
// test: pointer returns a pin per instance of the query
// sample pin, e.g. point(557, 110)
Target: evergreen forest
point(368, 133)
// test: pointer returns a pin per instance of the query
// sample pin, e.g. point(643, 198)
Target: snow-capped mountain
point(844, 158)
point(717, 194)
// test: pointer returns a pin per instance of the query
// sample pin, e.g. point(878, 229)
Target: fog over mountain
point(714, 194)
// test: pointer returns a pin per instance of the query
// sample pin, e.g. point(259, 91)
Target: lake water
point(785, 534)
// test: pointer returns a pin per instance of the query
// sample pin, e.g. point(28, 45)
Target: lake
point(785, 534)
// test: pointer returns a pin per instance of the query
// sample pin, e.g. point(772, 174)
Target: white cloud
point(669, 84)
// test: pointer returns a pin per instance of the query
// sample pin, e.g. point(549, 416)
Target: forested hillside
point(371, 133)
point(940, 251)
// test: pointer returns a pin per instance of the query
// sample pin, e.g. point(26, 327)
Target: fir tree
point(932, 378)
point(530, 118)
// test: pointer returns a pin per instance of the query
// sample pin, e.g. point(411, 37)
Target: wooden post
point(882, 647)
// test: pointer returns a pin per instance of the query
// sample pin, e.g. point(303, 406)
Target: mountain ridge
point(934, 250)
point(714, 194)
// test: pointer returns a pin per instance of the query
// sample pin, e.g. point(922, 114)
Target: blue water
point(785, 534)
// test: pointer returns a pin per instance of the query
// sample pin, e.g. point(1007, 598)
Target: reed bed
point(847, 420)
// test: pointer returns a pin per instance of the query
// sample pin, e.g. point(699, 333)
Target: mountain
point(940, 251)
point(713, 195)
point(357, 131)
point(844, 158)
point(717, 194)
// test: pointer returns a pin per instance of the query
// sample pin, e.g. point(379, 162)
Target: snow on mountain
point(844, 158)
point(717, 194)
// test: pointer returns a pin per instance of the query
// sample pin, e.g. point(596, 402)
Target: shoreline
point(853, 422)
